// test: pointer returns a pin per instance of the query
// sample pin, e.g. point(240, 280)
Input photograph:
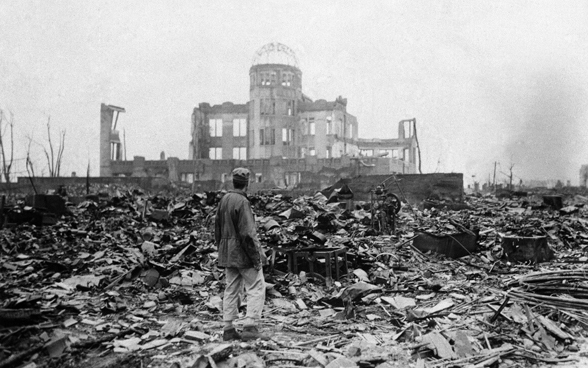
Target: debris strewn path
point(128, 279)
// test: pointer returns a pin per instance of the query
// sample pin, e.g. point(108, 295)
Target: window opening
point(267, 137)
point(215, 153)
point(239, 153)
point(216, 127)
point(239, 127)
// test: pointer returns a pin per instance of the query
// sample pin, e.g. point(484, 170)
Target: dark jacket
point(235, 233)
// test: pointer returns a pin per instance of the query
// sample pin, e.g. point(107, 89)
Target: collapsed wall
point(414, 187)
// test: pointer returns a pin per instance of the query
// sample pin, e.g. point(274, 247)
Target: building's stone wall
point(415, 187)
point(45, 184)
point(583, 176)
point(295, 152)
point(106, 115)
point(274, 172)
point(412, 187)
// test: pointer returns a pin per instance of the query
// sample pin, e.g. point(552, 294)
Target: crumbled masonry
point(129, 279)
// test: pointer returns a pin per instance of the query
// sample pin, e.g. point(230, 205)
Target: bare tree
point(54, 156)
point(5, 124)
point(29, 165)
point(509, 176)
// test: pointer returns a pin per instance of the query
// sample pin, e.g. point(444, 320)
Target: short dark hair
point(239, 185)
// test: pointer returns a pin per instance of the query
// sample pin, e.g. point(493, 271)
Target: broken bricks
point(452, 245)
point(522, 249)
point(88, 275)
point(328, 264)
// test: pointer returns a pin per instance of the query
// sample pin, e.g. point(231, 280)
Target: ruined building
point(584, 176)
point(110, 144)
point(283, 136)
point(277, 121)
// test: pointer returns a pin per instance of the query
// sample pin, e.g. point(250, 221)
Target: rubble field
point(129, 279)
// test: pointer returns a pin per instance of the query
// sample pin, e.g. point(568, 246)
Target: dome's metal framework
point(275, 53)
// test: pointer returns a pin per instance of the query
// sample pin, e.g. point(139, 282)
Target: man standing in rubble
point(239, 253)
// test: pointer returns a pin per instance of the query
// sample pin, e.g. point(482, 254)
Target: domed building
point(283, 136)
point(278, 121)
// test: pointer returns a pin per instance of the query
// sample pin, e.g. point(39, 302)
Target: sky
point(488, 82)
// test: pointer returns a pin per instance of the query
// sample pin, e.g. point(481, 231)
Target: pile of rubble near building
point(127, 279)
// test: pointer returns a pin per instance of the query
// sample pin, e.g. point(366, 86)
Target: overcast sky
point(487, 81)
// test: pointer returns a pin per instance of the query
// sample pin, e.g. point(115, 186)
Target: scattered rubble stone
point(132, 278)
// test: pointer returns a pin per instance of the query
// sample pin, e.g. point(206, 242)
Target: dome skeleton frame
point(275, 53)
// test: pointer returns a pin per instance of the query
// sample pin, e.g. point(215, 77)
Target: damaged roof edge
point(116, 108)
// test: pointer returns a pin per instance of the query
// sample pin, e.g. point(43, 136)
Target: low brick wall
point(44, 184)
point(415, 187)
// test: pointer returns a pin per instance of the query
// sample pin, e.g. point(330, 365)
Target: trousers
point(254, 283)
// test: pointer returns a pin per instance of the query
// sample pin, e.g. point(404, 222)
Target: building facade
point(402, 151)
point(277, 121)
point(111, 148)
point(282, 135)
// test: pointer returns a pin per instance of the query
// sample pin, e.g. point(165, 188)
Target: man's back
point(239, 252)
point(235, 232)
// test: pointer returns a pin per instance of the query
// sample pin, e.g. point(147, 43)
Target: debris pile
point(130, 279)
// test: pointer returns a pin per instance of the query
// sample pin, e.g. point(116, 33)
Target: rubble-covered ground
point(129, 279)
